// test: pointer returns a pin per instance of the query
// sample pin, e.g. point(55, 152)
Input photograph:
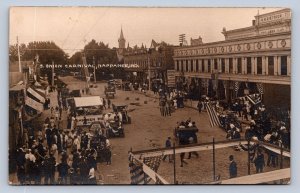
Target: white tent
point(88, 101)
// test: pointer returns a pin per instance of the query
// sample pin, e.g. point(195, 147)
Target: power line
point(90, 29)
point(72, 27)
point(63, 49)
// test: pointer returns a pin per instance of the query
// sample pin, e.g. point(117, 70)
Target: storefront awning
point(88, 101)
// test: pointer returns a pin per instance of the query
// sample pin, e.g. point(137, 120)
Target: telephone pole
point(149, 69)
point(19, 57)
point(181, 39)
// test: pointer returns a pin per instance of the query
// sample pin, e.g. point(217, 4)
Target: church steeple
point(122, 40)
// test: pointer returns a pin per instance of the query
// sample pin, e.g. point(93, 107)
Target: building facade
point(153, 62)
point(251, 59)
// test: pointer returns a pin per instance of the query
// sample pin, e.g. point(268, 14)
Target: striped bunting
point(138, 176)
point(253, 100)
point(212, 114)
point(250, 99)
point(236, 86)
point(260, 88)
point(136, 172)
point(158, 181)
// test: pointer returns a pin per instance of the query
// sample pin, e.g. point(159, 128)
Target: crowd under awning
point(88, 101)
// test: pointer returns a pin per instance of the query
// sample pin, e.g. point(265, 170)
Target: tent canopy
point(88, 101)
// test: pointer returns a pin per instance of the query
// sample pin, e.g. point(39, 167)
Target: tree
point(13, 52)
point(47, 51)
point(76, 59)
point(100, 53)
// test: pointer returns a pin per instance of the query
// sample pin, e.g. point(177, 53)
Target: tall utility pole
point(181, 39)
point(94, 69)
point(149, 70)
point(19, 57)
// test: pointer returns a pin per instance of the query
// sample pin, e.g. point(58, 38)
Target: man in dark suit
point(232, 167)
point(199, 106)
point(168, 145)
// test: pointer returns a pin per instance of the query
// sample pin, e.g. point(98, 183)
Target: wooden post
point(145, 175)
point(281, 156)
point(174, 163)
point(214, 161)
point(129, 152)
point(19, 56)
point(281, 160)
point(248, 156)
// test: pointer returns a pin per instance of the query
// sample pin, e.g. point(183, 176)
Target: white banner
point(34, 104)
point(171, 77)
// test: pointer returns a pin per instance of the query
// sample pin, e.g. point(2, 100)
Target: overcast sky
point(72, 27)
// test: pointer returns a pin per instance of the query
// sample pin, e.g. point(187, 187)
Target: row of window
point(251, 65)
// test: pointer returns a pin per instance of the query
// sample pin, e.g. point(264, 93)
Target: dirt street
point(149, 130)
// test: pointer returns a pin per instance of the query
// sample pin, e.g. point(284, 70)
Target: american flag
point(260, 88)
point(138, 176)
point(153, 163)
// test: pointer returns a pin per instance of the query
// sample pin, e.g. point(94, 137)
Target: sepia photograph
point(149, 95)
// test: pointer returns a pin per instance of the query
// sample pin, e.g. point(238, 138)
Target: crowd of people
point(169, 101)
point(53, 155)
point(261, 124)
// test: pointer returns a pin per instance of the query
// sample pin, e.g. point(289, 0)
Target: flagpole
point(149, 70)
point(19, 57)
point(248, 156)
point(145, 176)
point(214, 161)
